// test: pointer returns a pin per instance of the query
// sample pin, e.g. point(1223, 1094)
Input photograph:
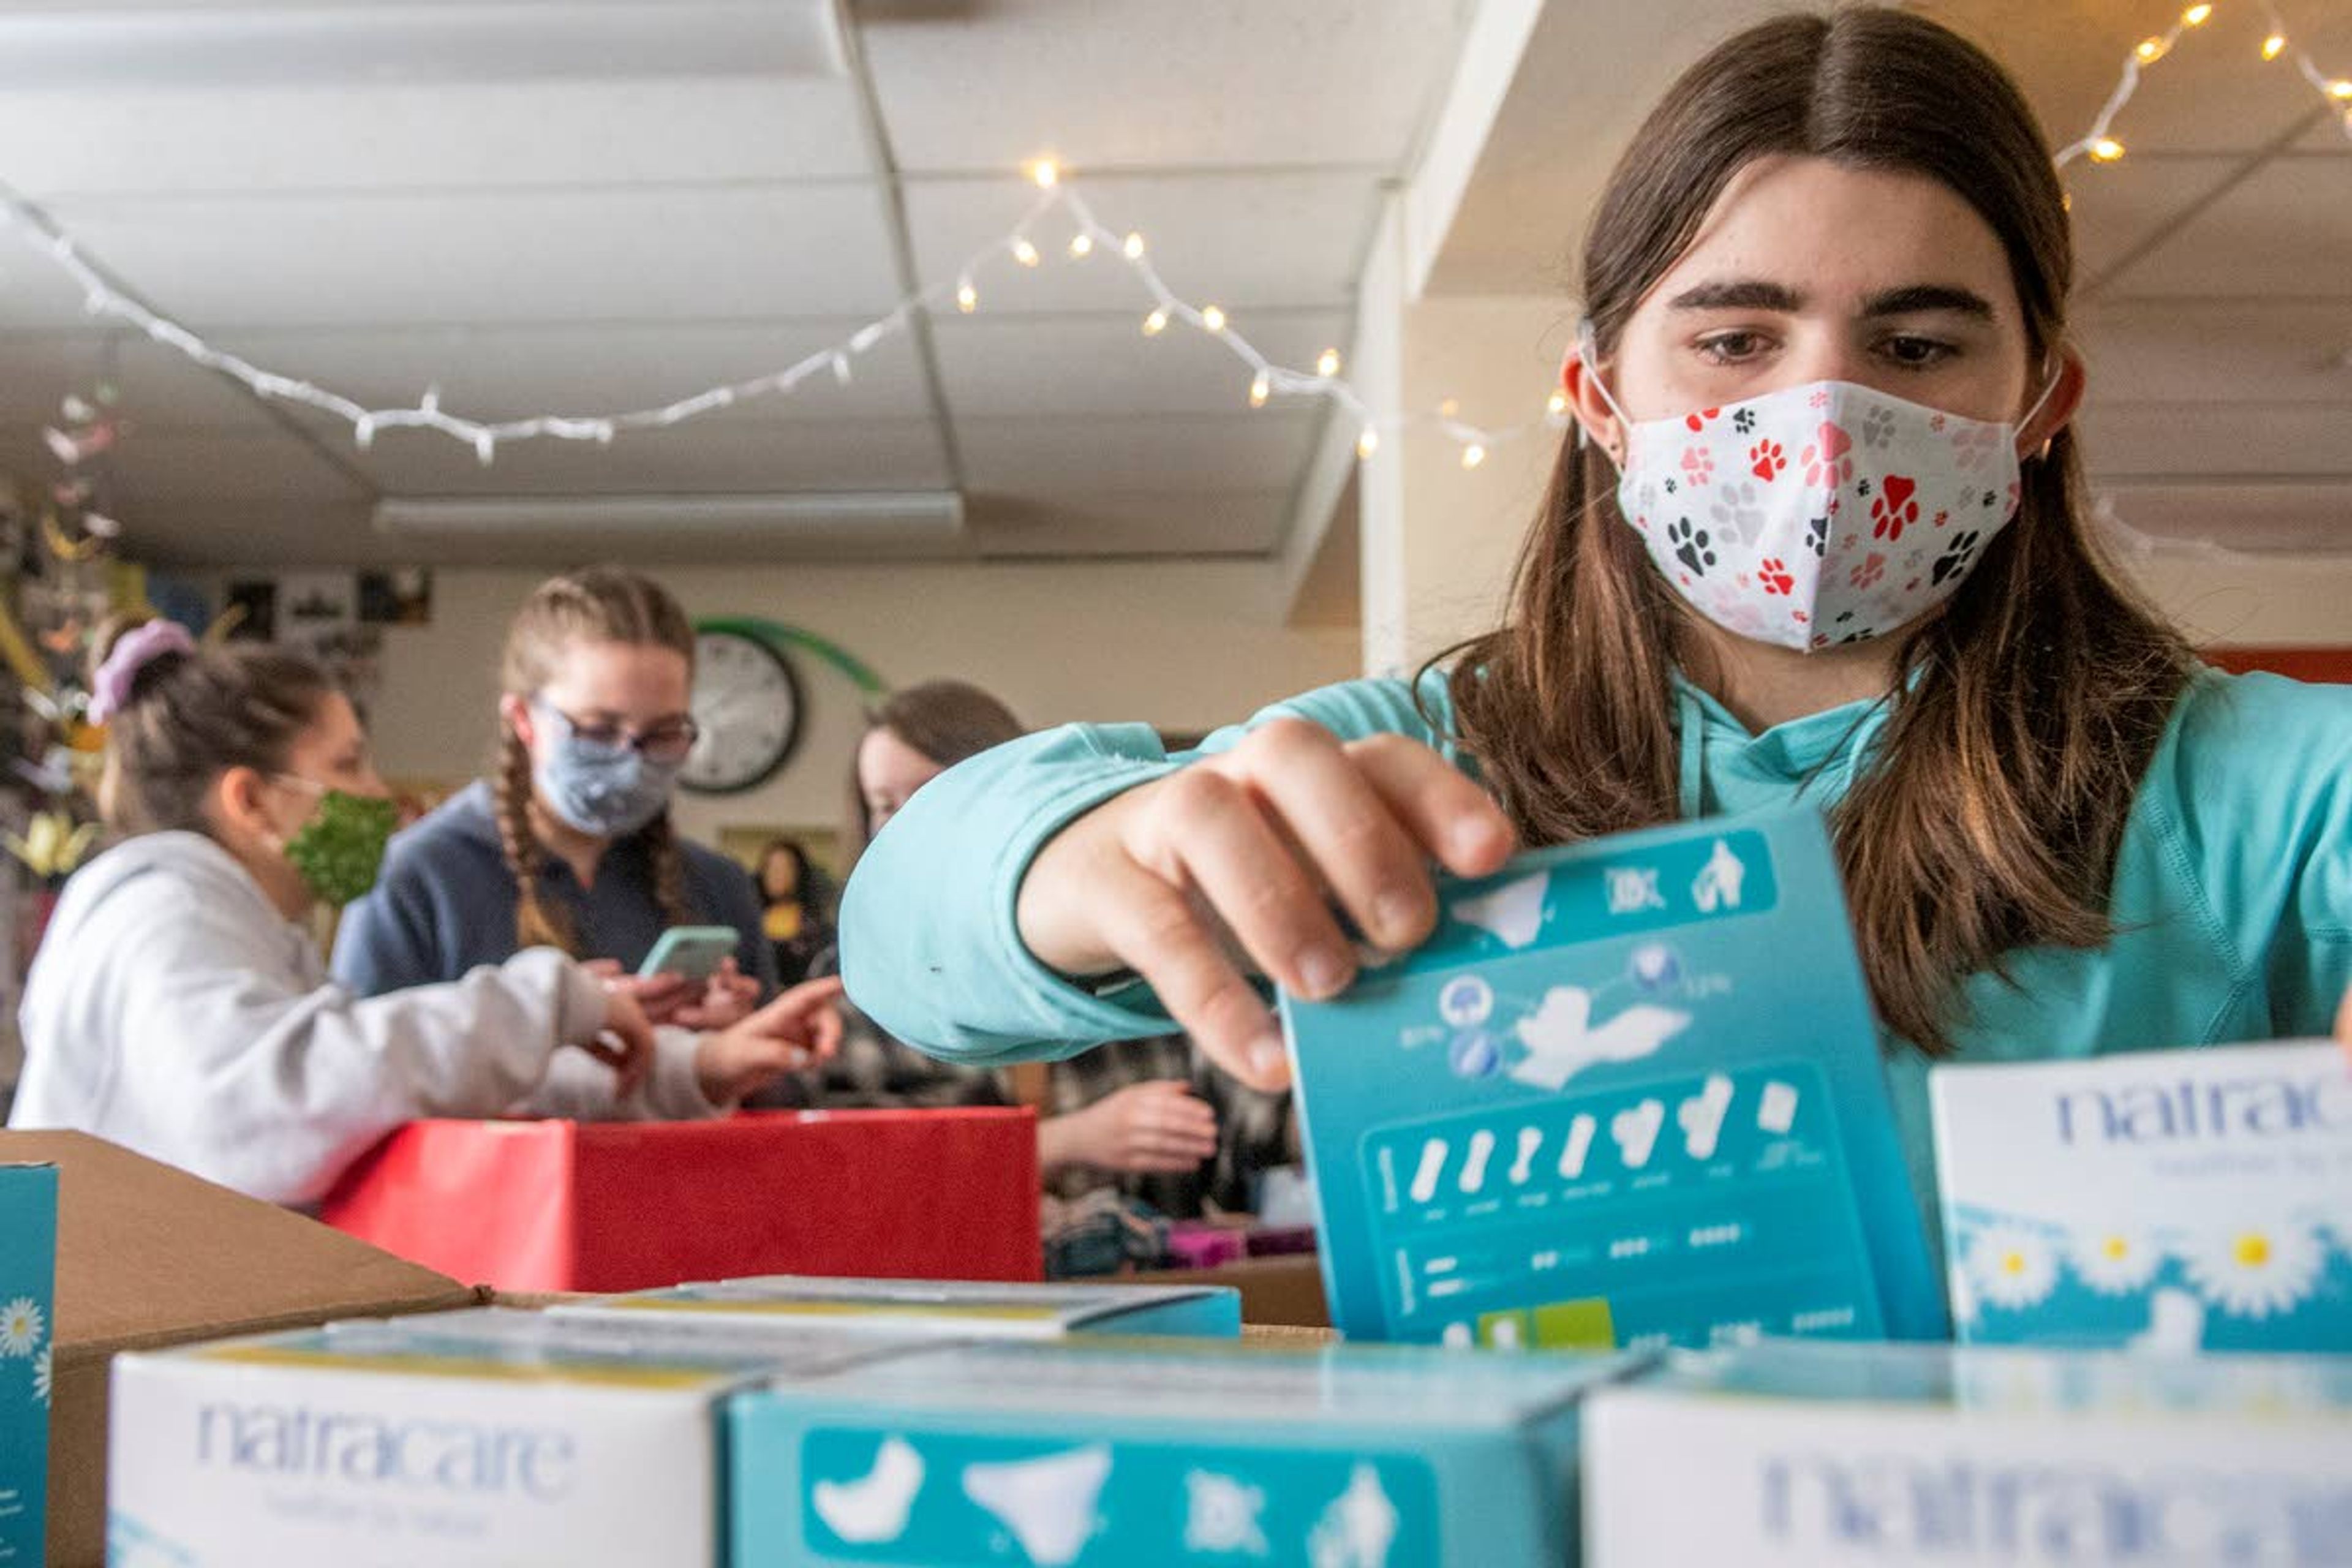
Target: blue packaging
point(1629, 1093)
point(2168, 1201)
point(1809, 1455)
point(29, 1255)
point(1111, 1453)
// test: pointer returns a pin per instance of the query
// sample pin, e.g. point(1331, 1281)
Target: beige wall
point(1183, 645)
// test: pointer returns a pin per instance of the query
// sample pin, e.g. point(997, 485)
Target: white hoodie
point(172, 1010)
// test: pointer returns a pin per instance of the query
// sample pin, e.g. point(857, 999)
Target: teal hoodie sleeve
point(2259, 810)
point(930, 948)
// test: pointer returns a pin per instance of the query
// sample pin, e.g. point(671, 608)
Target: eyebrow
point(1758, 294)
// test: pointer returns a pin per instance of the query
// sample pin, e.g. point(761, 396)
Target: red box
point(623, 1205)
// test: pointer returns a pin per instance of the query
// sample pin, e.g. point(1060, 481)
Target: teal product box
point(1814, 1455)
point(938, 1308)
point(2166, 1201)
point(492, 1437)
point(28, 1259)
point(1148, 1454)
point(1629, 1093)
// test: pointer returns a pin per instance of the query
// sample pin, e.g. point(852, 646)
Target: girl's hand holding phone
point(724, 1000)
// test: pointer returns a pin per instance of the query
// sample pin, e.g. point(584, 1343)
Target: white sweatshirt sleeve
point(183, 1026)
point(580, 1086)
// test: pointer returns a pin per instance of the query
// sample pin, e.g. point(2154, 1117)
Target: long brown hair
point(603, 604)
point(189, 716)
point(946, 721)
point(1990, 818)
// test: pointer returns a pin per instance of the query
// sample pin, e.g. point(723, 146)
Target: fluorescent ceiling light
point(855, 516)
point(468, 41)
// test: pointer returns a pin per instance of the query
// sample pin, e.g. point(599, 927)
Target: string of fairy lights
point(1058, 218)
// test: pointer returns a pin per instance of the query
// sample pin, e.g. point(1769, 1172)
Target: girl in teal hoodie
point(1817, 538)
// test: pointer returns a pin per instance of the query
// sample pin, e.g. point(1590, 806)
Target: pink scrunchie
point(138, 648)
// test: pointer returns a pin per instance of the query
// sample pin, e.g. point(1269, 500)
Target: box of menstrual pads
point(1788, 1455)
point(473, 1439)
point(2169, 1200)
point(28, 1251)
point(1112, 1453)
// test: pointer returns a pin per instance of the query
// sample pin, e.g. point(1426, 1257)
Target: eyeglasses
point(667, 742)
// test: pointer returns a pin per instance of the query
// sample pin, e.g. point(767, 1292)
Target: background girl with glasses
point(568, 844)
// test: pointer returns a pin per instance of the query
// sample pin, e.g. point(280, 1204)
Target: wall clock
point(747, 704)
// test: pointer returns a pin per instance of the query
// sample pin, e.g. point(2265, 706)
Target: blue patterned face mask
point(605, 789)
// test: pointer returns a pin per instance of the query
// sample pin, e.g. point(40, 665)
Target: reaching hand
point(1158, 1126)
point(626, 1044)
point(800, 1028)
point(1250, 848)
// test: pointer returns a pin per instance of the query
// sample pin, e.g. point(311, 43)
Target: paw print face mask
point(1820, 514)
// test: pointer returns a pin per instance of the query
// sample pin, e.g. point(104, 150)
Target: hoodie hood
point(189, 862)
point(1728, 772)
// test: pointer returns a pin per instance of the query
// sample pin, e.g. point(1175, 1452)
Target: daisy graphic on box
point(20, 1327)
point(2254, 1270)
point(43, 1375)
point(2012, 1267)
point(2115, 1260)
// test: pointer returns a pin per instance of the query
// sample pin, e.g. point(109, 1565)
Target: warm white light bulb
point(1155, 323)
point(2151, 50)
point(1213, 319)
point(1081, 246)
point(2196, 16)
point(1327, 364)
point(1260, 390)
point(1367, 442)
point(2106, 149)
point(1556, 405)
point(967, 297)
point(1473, 454)
point(1133, 248)
point(1449, 408)
point(2340, 90)
point(2274, 46)
point(1046, 173)
point(1024, 253)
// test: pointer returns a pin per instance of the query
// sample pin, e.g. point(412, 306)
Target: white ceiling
point(582, 208)
point(2214, 288)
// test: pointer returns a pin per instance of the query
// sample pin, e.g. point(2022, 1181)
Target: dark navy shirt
point(447, 901)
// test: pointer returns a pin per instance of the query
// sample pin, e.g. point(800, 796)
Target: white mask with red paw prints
point(1819, 514)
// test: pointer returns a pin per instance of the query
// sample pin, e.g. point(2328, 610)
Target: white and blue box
point(937, 1308)
point(1629, 1093)
point(1811, 1455)
point(2170, 1201)
point(490, 1438)
point(1109, 1453)
point(28, 1254)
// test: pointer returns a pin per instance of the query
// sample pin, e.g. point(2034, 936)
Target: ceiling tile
point(1142, 83)
point(179, 140)
point(617, 255)
point(1005, 365)
point(2285, 230)
point(157, 388)
point(2299, 519)
point(703, 456)
point(2217, 349)
point(2222, 438)
point(1237, 241)
point(1192, 453)
point(2120, 207)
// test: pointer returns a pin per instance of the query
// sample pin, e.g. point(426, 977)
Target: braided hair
point(602, 603)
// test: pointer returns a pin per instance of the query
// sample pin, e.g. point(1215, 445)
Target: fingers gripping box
point(1820, 1455)
point(1110, 1453)
point(2169, 1201)
point(495, 1438)
point(1629, 1093)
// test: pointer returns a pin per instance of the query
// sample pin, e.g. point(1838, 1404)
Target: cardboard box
point(1630, 1092)
point(2172, 1200)
point(148, 1256)
point(29, 1237)
point(936, 1309)
point(466, 1438)
point(567, 1206)
point(1814, 1456)
point(1140, 1453)
point(1285, 1292)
